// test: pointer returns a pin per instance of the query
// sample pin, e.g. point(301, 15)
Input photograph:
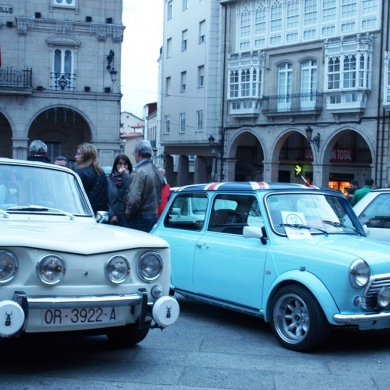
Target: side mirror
point(102, 217)
point(254, 232)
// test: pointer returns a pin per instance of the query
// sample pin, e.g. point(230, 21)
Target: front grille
point(373, 287)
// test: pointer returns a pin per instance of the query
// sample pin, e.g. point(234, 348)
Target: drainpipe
point(223, 95)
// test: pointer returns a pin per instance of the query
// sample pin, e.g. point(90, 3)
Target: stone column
point(200, 170)
point(168, 166)
point(321, 175)
point(20, 148)
point(183, 171)
point(230, 169)
point(270, 171)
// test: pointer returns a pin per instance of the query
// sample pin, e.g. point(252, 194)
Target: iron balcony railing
point(62, 81)
point(15, 78)
point(297, 103)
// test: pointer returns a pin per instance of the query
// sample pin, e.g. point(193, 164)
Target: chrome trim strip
point(77, 302)
point(352, 318)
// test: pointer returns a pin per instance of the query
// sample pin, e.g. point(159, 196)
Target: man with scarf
point(145, 190)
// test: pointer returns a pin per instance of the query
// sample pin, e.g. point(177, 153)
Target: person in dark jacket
point(145, 190)
point(118, 185)
point(92, 176)
point(38, 151)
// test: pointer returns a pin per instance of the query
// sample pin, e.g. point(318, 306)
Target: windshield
point(26, 185)
point(318, 213)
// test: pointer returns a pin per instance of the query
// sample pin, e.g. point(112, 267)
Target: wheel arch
point(312, 283)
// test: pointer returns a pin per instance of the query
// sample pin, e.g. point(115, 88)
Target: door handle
point(202, 246)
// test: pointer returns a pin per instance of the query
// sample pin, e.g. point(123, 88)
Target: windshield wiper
point(300, 226)
point(339, 224)
point(2, 212)
point(40, 208)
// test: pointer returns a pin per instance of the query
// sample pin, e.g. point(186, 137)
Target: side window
point(187, 212)
point(377, 213)
point(230, 213)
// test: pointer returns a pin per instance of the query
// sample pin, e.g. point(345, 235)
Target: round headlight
point(117, 269)
point(150, 266)
point(8, 266)
point(384, 297)
point(50, 269)
point(359, 273)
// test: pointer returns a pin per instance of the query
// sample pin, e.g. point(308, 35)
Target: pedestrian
point(165, 194)
point(353, 186)
point(38, 151)
point(92, 176)
point(362, 192)
point(118, 185)
point(145, 189)
point(62, 161)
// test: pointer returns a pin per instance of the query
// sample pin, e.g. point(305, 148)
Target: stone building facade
point(60, 76)
point(290, 84)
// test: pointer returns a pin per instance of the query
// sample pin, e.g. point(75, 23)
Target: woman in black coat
point(92, 176)
point(118, 185)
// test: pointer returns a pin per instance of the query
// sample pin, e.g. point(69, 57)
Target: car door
point(181, 226)
point(227, 266)
point(376, 215)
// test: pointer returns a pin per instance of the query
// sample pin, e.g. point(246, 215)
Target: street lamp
point(309, 136)
point(215, 145)
point(112, 71)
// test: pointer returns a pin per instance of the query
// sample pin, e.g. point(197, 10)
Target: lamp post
point(217, 146)
point(112, 71)
point(309, 136)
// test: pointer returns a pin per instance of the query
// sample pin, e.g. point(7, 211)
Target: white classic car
point(61, 271)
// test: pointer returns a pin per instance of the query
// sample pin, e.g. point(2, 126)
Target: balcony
point(244, 108)
point(344, 102)
point(62, 81)
point(15, 81)
point(293, 104)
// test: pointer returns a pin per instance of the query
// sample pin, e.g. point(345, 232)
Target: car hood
point(73, 237)
point(342, 250)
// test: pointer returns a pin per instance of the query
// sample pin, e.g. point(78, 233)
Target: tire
point(127, 336)
point(298, 322)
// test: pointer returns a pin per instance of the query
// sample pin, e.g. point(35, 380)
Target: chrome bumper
point(77, 302)
point(356, 318)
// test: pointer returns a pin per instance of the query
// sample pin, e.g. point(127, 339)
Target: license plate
point(87, 316)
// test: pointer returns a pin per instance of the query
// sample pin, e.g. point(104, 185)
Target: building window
point(292, 14)
point(184, 37)
point(169, 47)
point(167, 86)
point(245, 82)
point(185, 5)
point(200, 76)
point(284, 86)
point(370, 7)
point(167, 124)
point(64, 3)
point(348, 9)
point(329, 10)
point(308, 84)
point(233, 84)
point(202, 31)
point(62, 75)
point(182, 123)
point(276, 17)
point(245, 23)
point(199, 120)
point(310, 12)
point(183, 85)
point(260, 21)
point(333, 73)
point(169, 11)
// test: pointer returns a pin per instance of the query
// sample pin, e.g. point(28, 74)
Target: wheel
point(298, 321)
point(127, 336)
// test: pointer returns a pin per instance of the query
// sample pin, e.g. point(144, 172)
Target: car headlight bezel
point(150, 266)
point(359, 273)
point(12, 265)
point(49, 272)
point(111, 268)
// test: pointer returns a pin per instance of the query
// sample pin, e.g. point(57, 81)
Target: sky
point(141, 45)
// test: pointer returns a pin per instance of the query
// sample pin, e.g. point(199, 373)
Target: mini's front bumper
point(362, 318)
point(20, 314)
